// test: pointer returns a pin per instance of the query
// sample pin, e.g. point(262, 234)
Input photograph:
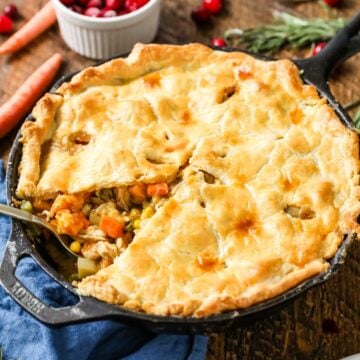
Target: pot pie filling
point(100, 224)
point(193, 181)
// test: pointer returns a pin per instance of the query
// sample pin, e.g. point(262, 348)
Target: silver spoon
point(28, 217)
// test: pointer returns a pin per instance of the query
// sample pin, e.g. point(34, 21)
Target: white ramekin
point(101, 38)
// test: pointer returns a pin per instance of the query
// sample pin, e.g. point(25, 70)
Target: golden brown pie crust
point(284, 186)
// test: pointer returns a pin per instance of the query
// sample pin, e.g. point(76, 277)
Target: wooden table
point(323, 324)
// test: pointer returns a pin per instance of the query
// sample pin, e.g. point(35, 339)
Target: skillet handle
point(86, 309)
point(345, 44)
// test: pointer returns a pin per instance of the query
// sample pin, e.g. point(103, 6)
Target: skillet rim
point(163, 323)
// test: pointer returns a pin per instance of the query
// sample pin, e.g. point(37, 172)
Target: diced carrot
point(70, 224)
point(111, 226)
point(138, 193)
point(14, 109)
point(160, 189)
point(67, 202)
point(40, 22)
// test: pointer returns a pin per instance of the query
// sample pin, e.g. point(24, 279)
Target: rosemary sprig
point(286, 30)
point(356, 120)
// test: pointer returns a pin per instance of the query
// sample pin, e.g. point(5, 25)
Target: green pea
point(26, 206)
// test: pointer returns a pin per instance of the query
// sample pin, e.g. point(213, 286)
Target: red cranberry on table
point(213, 6)
point(218, 42)
point(11, 11)
point(333, 3)
point(318, 48)
point(6, 24)
point(200, 15)
point(203, 13)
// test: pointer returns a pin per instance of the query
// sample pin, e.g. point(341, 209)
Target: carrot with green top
point(111, 227)
point(14, 109)
point(40, 22)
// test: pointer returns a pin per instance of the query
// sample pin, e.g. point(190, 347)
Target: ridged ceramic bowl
point(100, 38)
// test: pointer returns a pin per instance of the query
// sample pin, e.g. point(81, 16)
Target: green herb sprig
point(356, 120)
point(287, 30)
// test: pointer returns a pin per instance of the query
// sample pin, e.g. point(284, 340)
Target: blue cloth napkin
point(23, 337)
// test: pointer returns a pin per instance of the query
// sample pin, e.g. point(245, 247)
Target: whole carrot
point(13, 110)
point(31, 30)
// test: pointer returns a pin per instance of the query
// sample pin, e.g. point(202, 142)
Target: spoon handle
point(22, 215)
point(26, 216)
point(16, 213)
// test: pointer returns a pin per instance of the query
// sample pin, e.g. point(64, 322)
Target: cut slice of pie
point(198, 181)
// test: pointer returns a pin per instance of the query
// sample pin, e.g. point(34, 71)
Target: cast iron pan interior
point(314, 71)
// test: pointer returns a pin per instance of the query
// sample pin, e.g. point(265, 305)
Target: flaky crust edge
point(106, 292)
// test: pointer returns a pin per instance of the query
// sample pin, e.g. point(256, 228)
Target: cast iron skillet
point(314, 71)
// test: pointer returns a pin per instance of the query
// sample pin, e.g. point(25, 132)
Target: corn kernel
point(75, 246)
point(134, 213)
point(137, 224)
point(147, 213)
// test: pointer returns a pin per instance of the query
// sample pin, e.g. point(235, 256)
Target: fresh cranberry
point(218, 42)
point(200, 15)
point(133, 5)
point(92, 11)
point(123, 12)
point(83, 2)
point(106, 13)
point(68, 2)
point(213, 6)
point(76, 8)
point(11, 11)
point(113, 4)
point(318, 48)
point(6, 24)
point(333, 3)
point(94, 4)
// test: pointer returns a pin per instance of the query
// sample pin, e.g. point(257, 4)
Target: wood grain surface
point(325, 322)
